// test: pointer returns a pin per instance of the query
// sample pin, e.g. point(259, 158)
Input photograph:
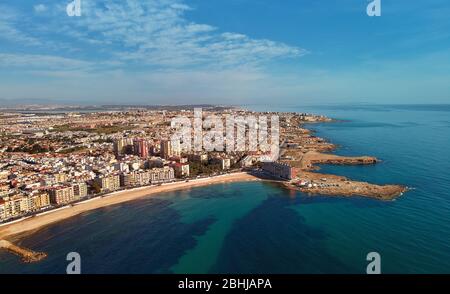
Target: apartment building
point(108, 183)
point(141, 147)
point(17, 205)
point(168, 150)
point(279, 169)
point(2, 209)
point(61, 195)
point(121, 145)
point(60, 177)
point(80, 190)
point(38, 201)
point(13, 206)
point(137, 178)
point(158, 175)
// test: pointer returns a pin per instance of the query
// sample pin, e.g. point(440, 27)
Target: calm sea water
point(262, 228)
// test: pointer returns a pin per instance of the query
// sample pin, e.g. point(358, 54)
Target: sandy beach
point(32, 224)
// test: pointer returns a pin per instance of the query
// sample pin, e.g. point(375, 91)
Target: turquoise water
point(262, 228)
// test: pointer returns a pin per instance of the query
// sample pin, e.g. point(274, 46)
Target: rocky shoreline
point(27, 255)
point(304, 151)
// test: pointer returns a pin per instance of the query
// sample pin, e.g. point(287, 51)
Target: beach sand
point(32, 224)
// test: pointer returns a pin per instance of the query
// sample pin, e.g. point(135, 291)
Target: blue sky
point(225, 52)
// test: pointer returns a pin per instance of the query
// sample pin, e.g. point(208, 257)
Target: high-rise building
point(279, 170)
point(13, 206)
point(20, 204)
point(158, 175)
point(120, 145)
point(137, 178)
point(140, 147)
point(108, 183)
point(61, 195)
point(80, 190)
point(38, 201)
point(2, 209)
point(166, 149)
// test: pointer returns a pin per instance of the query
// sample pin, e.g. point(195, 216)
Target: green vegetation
point(100, 141)
point(197, 168)
point(33, 149)
point(96, 187)
point(72, 150)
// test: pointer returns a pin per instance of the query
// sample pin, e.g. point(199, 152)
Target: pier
point(27, 255)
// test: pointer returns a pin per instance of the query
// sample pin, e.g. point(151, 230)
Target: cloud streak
point(149, 33)
point(9, 21)
point(156, 32)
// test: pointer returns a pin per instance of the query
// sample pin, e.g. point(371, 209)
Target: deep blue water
point(262, 228)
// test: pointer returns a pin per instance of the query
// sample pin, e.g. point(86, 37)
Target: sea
point(261, 228)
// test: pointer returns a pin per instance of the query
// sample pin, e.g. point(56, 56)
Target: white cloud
point(9, 21)
point(152, 33)
point(156, 32)
point(39, 8)
point(34, 61)
point(139, 49)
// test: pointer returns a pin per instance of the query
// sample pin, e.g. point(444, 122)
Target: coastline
point(305, 159)
point(305, 152)
point(32, 224)
point(335, 185)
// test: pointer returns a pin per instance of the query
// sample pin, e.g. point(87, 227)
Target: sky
point(226, 52)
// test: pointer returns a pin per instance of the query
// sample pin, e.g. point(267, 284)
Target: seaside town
point(56, 164)
point(50, 160)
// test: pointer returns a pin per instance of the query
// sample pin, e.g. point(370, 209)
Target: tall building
point(61, 195)
point(279, 170)
point(108, 183)
point(166, 149)
point(2, 209)
point(176, 148)
point(158, 175)
point(20, 204)
point(13, 206)
point(80, 190)
point(169, 150)
point(38, 201)
point(121, 145)
point(140, 147)
point(137, 178)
